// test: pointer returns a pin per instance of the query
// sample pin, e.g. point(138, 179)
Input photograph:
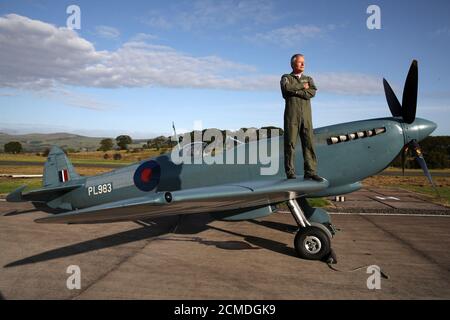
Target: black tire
point(312, 243)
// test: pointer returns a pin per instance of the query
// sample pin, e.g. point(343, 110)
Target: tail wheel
point(312, 243)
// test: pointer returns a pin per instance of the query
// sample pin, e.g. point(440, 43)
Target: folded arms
point(290, 88)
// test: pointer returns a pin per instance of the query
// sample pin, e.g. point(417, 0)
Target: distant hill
point(38, 142)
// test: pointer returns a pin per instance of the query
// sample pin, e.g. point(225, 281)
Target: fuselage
point(362, 149)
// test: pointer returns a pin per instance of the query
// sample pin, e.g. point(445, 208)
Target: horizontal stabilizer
point(40, 195)
point(16, 195)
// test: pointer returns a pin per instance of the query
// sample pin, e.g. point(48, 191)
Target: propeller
point(407, 110)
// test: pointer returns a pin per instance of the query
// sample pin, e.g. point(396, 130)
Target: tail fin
point(58, 169)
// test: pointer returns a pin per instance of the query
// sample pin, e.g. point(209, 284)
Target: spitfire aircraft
point(347, 153)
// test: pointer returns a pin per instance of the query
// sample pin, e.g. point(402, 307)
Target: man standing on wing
point(297, 90)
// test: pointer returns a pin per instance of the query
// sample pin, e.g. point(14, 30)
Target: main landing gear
point(313, 239)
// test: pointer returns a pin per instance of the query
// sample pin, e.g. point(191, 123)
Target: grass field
point(390, 169)
point(418, 184)
point(7, 184)
point(84, 171)
point(95, 157)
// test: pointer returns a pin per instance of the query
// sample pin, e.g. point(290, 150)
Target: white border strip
point(388, 214)
point(380, 214)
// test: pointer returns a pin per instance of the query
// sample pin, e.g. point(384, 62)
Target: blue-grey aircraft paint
point(342, 164)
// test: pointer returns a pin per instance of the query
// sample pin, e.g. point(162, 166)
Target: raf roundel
point(147, 175)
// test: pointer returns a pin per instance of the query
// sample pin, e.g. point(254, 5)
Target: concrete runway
point(387, 200)
point(196, 258)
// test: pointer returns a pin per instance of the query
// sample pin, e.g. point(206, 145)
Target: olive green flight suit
point(298, 120)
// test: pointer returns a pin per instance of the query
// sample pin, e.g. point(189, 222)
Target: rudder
point(58, 169)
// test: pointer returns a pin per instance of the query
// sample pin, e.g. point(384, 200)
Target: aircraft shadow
point(268, 244)
point(284, 227)
point(177, 225)
point(226, 245)
point(165, 226)
point(17, 212)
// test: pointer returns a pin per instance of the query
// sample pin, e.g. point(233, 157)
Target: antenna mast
point(176, 136)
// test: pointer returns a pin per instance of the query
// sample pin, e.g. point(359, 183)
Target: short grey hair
point(295, 56)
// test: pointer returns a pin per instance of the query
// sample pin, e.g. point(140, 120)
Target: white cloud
point(155, 19)
point(349, 83)
point(107, 32)
point(195, 15)
point(445, 31)
point(288, 36)
point(143, 37)
point(8, 94)
point(37, 55)
point(74, 99)
point(62, 95)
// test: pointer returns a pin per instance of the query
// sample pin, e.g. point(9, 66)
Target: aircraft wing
point(216, 198)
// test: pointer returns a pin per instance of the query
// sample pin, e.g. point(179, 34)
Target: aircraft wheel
point(312, 243)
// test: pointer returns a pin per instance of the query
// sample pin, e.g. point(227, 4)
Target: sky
point(134, 66)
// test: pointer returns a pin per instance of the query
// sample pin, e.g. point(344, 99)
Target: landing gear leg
point(313, 240)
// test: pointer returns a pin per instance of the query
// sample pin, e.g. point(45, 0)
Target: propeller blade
point(409, 101)
point(420, 159)
point(393, 103)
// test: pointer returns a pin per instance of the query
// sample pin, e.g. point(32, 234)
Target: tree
point(159, 142)
point(123, 141)
point(13, 147)
point(106, 145)
point(436, 151)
